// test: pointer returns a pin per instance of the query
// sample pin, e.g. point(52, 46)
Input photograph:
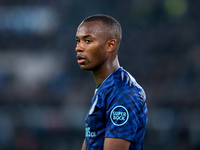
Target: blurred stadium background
point(44, 96)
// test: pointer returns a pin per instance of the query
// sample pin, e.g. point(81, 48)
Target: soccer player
point(118, 114)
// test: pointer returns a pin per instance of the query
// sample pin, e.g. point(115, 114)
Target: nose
point(79, 47)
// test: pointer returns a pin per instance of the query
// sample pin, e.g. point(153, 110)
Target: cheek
point(97, 53)
point(94, 51)
point(100, 57)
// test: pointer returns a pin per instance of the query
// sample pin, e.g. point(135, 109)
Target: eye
point(77, 41)
point(88, 41)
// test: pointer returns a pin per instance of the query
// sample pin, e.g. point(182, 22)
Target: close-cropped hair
point(108, 21)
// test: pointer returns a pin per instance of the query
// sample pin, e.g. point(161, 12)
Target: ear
point(111, 45)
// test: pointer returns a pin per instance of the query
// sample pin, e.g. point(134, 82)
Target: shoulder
point(128, 86)
point(121, 87)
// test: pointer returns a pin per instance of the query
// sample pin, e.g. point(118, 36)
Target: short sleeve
point(123, 117)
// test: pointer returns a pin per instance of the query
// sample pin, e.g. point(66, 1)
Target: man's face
point(91, 45)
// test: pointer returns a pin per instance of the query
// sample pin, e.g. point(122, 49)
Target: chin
point(88, 67)
point(85, 68)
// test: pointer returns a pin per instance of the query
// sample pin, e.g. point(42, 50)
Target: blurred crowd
point(44, 95)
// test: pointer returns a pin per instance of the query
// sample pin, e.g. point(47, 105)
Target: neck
point(103, 72)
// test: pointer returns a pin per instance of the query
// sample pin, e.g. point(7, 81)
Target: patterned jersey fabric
point(118, 110)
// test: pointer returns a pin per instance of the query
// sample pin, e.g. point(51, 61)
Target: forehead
point(90, 28)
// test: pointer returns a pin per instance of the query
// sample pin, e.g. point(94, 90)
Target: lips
point(80, 58)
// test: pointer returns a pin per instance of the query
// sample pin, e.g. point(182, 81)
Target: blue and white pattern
point(118, 110)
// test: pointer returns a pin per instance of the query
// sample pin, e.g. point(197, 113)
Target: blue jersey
point(118, 110)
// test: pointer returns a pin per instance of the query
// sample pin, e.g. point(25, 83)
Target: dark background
point(44, 95)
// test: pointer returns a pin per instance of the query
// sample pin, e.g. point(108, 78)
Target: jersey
point(118, 110)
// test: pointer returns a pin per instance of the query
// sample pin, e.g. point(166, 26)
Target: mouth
point(80, 59)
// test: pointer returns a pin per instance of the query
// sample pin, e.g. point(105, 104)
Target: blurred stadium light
point(28, 19)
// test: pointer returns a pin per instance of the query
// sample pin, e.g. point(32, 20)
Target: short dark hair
point(108, 21)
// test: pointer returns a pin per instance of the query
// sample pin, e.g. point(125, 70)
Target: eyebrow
point(85, 36)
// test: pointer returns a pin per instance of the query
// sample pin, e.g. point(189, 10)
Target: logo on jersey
point(89, 133)
point(119, 115)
